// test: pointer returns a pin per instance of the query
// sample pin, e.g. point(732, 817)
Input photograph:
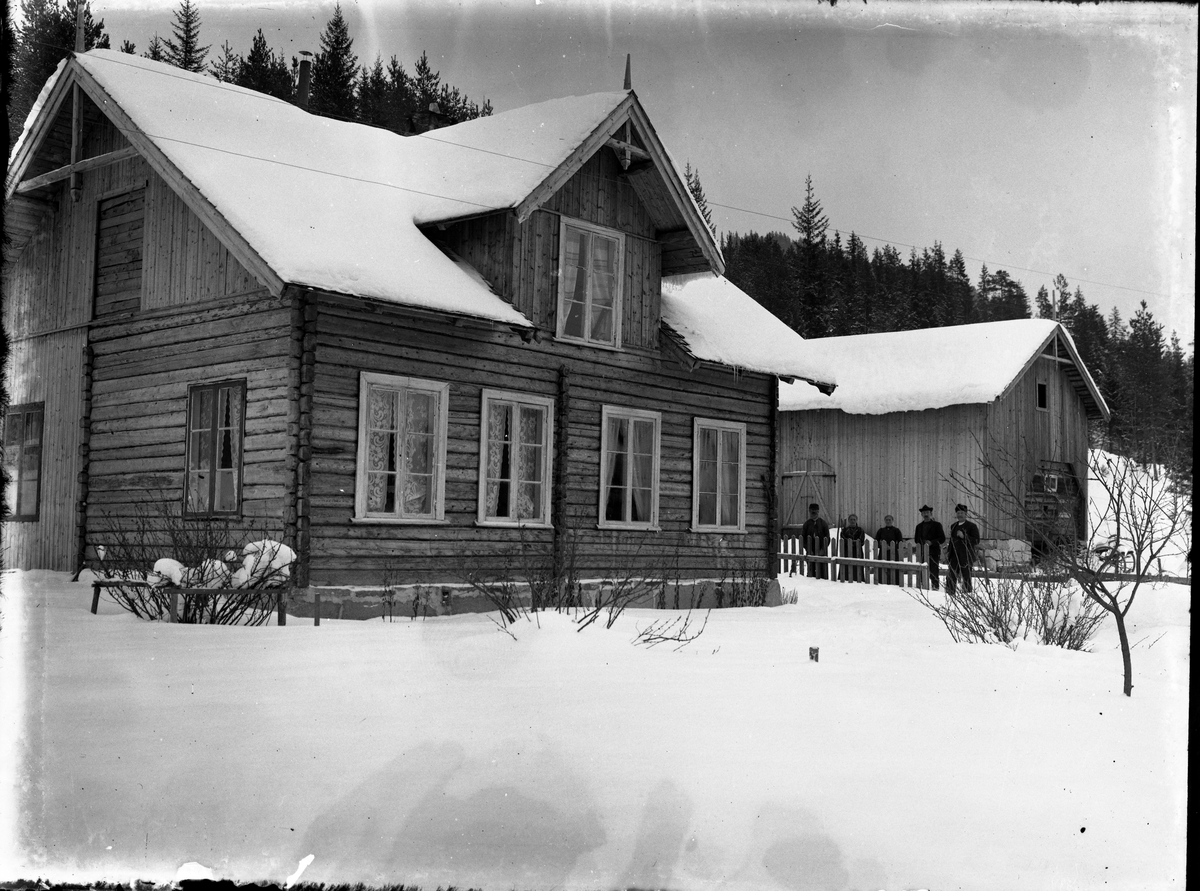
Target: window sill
point(577, 341)
point(511, 524)
point(630, 527)
point(717, 530)
point(399, 521)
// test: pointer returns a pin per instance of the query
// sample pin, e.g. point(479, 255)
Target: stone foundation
point(1004, 553)
point(414, 601)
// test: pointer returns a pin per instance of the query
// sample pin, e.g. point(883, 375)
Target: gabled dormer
point(583, 253)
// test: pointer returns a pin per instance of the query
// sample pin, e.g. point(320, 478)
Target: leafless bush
point(677, 630)
point(741, 584)
point(216, 575)
point(1011, 609)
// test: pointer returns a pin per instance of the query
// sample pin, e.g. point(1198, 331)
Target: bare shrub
point(1011, 609)
point(220, 576)
point(677, 630)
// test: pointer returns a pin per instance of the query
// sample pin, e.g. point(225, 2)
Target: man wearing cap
point(931, 534)
point(964, 539)
point(815, 533)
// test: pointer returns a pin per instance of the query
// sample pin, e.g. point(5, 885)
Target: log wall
point(355, 336)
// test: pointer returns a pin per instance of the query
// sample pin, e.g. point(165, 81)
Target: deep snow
point(442, 750)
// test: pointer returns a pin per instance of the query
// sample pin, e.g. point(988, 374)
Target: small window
point(515, 447)
point(23, 460)
point(629, 468)
point(589, 284)
point(1043, 396)
point(401, 449)
point(718, 476)
point(215, 431)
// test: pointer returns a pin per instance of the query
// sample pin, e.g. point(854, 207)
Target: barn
point(403, 356)
point(914, 410)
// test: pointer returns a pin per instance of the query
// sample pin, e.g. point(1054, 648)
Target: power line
point(221, 85)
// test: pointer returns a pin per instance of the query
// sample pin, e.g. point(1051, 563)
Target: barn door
point(808, 480)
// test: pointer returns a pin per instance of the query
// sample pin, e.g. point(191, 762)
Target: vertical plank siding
point(174, 308)
point(894, 463)
point(520, 261)
point(354, 337)
point(49, 369)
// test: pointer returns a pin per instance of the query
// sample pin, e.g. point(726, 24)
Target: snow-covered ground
point(443, 751)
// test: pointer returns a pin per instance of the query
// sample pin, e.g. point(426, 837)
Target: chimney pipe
point(79, 36)
point(302, 89)
point(628, 72)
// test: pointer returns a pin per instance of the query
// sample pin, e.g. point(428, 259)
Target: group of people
point(960, 555)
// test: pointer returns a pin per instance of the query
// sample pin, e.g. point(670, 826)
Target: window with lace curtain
point(589, 283)
point(629, 449)
point(401, 449)
point(515, 458)
point(215, 432)
point(718, 476)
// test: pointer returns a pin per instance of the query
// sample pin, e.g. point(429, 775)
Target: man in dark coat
point(889, 537)
point(815, 533)
point(931, 534)
point(964, 540)
point(851, 545)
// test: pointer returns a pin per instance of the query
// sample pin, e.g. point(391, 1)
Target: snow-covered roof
point(931, 367)
point(722, 323)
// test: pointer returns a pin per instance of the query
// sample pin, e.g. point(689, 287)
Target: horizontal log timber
point(82, 166)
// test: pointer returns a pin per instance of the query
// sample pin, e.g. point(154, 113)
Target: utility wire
point(221, 85)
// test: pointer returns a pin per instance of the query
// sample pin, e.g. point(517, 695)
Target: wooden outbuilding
point(913, 411)
point(409, 358)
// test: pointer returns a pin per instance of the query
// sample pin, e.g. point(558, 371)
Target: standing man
point(931, 534)
point(852, 539)
point(889, 536)
point(815, 533)
point(964, 539)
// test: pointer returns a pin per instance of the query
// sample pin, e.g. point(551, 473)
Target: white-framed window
point(216, 431)
point(23, 460)
point(718, 476)
point(515, 447)
point(401, 471)
point(589, 283)
point(629, 449)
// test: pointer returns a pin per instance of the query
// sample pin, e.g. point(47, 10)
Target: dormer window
point(589, 283)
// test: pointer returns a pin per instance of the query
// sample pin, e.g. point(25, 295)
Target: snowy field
point(443, 751)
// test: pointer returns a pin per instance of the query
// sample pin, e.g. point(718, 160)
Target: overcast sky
point(1037, 138)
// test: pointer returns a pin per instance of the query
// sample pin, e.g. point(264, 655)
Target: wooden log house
point(407, 357)
point(914, 411)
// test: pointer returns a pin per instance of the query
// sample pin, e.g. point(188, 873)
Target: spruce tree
point(962, 296)
point(812, 291)
point(372, 90)
point(185, 50)
point(264, 71)
point(226, 67)
point(335, 71)
point(156, 51)
point(692, 176)
point(128, 46)
point(45, 38)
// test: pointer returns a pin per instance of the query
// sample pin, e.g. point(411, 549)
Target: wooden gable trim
point(569, 167)
point(237, 246)
point(27, 148)
point(82, 166)
point(630, 110)
point(683, 198)
point(1089, 391)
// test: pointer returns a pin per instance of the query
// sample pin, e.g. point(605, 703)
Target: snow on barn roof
point(722, 323)
point(931, 367)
